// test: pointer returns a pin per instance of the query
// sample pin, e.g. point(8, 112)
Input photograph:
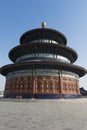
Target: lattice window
point(56, 84)
point(45, 86)
point(50, 86)
point(39, 86)
point(65, 86)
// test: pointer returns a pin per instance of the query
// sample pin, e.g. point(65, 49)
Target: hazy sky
point(67, 16)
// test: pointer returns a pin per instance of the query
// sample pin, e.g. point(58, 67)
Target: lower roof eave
point(29, 65)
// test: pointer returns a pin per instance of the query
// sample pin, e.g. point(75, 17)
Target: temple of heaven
point(42, 67)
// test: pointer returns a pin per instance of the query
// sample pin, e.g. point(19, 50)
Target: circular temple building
point(43, 67)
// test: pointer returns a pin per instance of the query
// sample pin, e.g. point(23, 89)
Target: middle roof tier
point(43, 48)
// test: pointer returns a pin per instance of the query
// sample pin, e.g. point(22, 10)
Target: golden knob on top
point(43, 24)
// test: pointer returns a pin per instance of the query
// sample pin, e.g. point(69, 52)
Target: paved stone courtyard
point(26, 114)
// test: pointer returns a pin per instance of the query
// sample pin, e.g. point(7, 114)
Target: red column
point(60, 86)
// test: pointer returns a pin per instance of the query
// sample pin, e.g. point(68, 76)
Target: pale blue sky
point(67, 16)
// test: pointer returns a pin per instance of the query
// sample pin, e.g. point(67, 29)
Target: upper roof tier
point(43, 35)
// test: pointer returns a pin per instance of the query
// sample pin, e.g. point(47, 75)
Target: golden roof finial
point(43, 24)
